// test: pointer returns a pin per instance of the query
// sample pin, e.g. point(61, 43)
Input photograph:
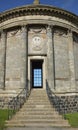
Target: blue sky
point(70, 5)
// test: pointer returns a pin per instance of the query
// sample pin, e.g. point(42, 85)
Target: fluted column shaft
point(3, 59)
point(24, 54)
point(71, 60)
point(50, 58)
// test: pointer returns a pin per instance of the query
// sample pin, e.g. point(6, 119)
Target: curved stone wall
point(57, 31)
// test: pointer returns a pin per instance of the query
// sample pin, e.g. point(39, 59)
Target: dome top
point(36, 2)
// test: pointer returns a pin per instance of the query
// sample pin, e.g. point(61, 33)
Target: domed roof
point(38, 9)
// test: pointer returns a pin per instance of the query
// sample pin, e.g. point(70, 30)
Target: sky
point(70, 5)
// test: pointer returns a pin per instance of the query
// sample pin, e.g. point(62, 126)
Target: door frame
point(33, 58)
point(39, 64)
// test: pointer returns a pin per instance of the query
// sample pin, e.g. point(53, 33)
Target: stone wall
point(15, 60)
point(37, 40)
point(11, 102)
point(65, 104)
point(3, 102)
point(39, 33)
point(75, 39)
point(2, 59)
point(61, 60)
point(21, 42)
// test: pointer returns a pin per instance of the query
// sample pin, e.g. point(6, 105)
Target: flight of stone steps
point(37, 111)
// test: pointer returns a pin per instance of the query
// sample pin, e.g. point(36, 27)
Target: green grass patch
point(73, 119)
point(3, 117)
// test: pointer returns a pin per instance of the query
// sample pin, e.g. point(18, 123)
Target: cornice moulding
point(39, 10)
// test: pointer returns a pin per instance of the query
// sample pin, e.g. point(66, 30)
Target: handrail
point(55, 100)
point(16, 102)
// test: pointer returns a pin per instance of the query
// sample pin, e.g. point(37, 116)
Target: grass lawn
point(3, 117)
point(73, 119)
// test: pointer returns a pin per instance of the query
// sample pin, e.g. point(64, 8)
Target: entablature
point(39, 10)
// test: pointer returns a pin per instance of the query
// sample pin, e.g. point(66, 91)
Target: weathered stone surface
point(13, 59)
point(61, 60)
point(37, 41)
point(75, 39)
point(65, 104)
point(50, 56)
point(38, 33)
point(24, 57)
point(2, 58)
point(71, 61)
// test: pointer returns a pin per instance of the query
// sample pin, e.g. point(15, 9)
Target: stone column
point(2, 59)
point(24, 54)
point(71, 61)
point(50, 62)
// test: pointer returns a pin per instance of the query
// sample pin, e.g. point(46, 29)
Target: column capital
point(3, 35)
point(24, 28)
point(49, 27)
point(49, 30)
point(24, 31)
point(3, 32)
point(70, 32)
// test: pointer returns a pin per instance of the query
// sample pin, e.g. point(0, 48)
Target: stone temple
point(39, 50)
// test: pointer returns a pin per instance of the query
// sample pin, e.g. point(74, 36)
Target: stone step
point(37, 106)
point(38, 125)
point(44, 94)
point(53, 117)
point(37, 109)
point(38, 95)
point(37, 103)
point(39, 113)
point(38, 90)
point(40, 100)
point(38, 121)
point(42, 107)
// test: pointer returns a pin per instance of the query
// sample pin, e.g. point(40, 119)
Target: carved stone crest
point(37, 43)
